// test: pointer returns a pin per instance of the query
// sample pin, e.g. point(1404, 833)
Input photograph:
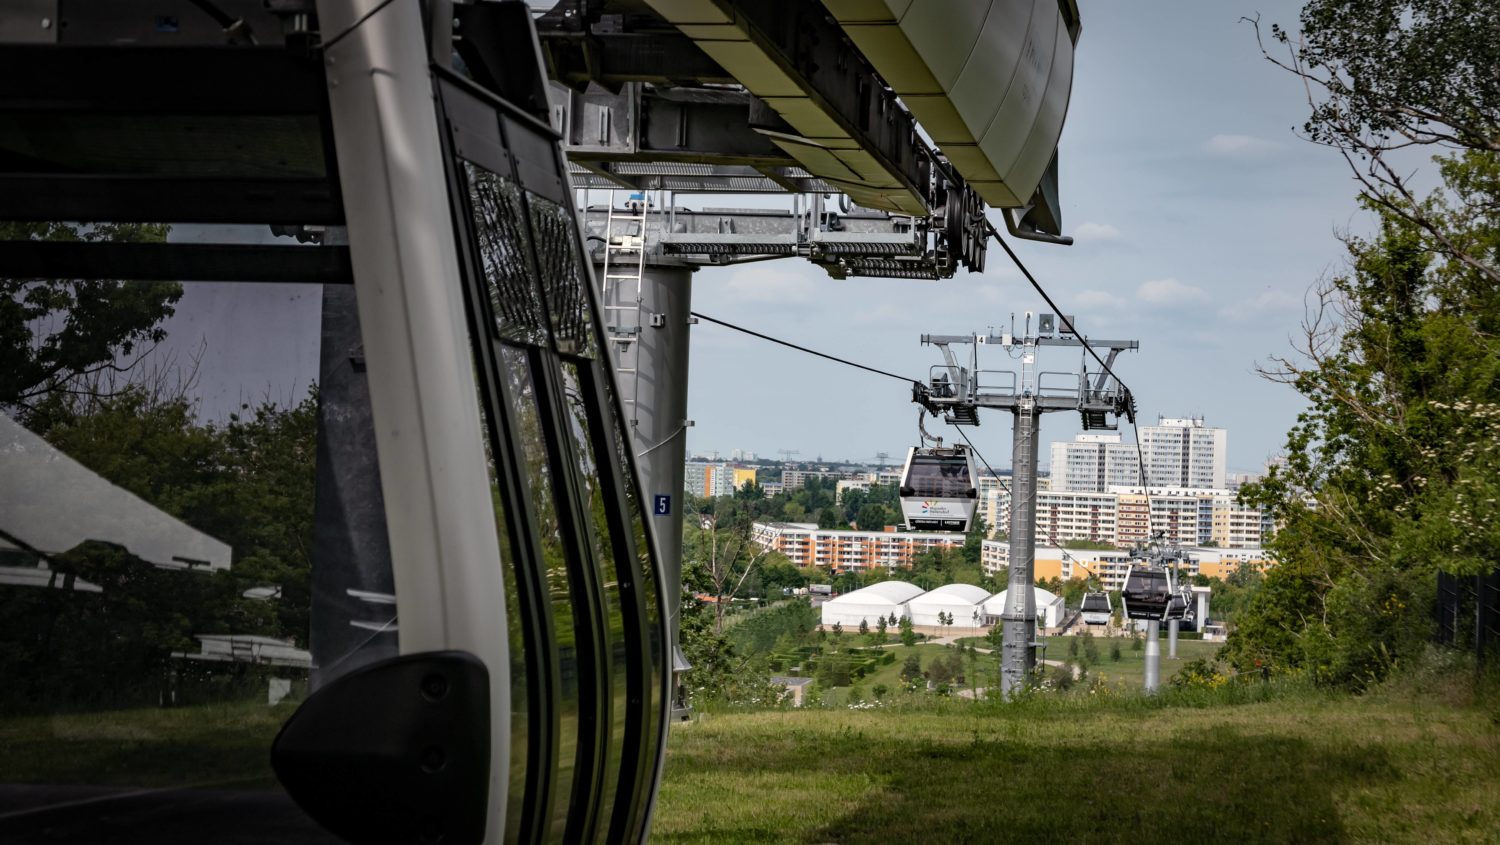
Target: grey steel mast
point(957, 393)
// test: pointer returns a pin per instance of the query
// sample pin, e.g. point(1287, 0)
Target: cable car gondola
point(1148, 593)
point(1184, 605)
point(1096, 609)
point(1177, 608)
point(938, 489)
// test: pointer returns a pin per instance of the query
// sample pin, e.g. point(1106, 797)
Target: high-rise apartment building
point(1062, 516)
point(1179, 452)
point(1093, 463)
point(1183, 452)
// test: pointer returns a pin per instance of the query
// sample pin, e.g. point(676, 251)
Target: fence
point(1468, 612)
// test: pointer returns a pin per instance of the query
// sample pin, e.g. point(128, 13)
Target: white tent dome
point(1049, 607)
point(961, 600)
point(870, 604)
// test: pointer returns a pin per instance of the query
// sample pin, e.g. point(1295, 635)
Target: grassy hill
point(1261, 763)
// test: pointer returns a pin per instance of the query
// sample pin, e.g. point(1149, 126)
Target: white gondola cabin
point(938, 489)
point(1096, 609)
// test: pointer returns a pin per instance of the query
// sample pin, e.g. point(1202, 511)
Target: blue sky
point(1200, 219)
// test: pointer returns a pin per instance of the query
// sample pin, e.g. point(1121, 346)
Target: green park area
point(1411, 761)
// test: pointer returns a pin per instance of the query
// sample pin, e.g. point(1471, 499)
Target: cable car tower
point(957, 392)
point(889, 129)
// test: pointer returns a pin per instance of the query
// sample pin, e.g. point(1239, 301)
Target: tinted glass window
point(520, 647)
point(655, 604)
point(191, 537)
point(604, 553)
point(505, 256)
point(569, 624)
point(943, 477)
point(556, 239)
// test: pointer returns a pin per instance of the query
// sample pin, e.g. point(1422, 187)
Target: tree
point(881, 626)
point(911, 671)
point(908, 636)
point(1387, 76)
point(725, 550)
point(1390, 472)
point(838, 634)
point(777, 573)
point(996, 636)
point(871, 517)
point(248, 481)
point(1090, 650)
point(55, 334)
point(941, 675)
point(891, 620)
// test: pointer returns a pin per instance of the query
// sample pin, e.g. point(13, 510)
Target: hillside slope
point(1297, 767)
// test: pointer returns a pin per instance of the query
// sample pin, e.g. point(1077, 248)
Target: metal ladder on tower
point(1026, 420)
point(624, 269)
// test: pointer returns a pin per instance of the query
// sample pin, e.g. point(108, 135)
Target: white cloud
point(765, 284)
point(1239, 146)
point(1090, 232)
point(1101, 299)
point(1169, 292)
point(882, 313)
point(991, 294)
point(1268, 302)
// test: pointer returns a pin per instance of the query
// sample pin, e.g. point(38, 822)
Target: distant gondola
point(1096, 609)
point(1182, 607)
point(938, 489)
point(1148, 593)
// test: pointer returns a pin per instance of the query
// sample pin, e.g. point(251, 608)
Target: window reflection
point(160, 495)
point(603, 552)
point(556, 239)
point(568, 630)
point(646, 577)
point(505, 256)
point(520, 647)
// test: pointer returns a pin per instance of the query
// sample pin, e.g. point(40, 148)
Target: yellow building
point(743, 476)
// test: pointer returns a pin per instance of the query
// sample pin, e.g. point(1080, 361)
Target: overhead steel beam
point(811, 48)
point(695, 178)
point(687, 125)
point(862, 243)
point(614, 58)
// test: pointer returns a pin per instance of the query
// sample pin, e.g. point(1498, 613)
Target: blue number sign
point(661, 505)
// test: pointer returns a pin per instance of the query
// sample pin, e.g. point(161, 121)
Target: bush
point(1061, 676)
point(1199, 674)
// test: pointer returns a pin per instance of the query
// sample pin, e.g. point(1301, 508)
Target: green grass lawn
point(185, 746)
point(1128, 673)
point(1298, 766)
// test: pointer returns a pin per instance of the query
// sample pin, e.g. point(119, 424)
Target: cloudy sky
point(1200, 220)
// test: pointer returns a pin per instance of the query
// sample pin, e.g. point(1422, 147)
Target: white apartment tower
point(1093, 463)
point(1184, 452)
